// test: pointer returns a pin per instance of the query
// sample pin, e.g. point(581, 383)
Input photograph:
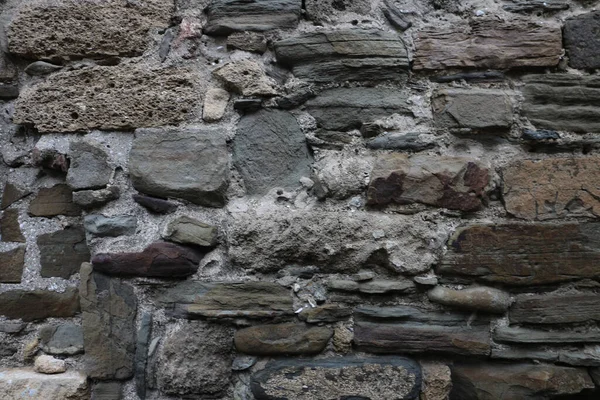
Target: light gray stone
point(70, 385)
point(247, 77)
point(215, 102)
point(89, 167)
point(116, 225)
point(49, 365)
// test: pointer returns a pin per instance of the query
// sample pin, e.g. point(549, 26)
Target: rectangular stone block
point(12, 263)
point(513, 334)
point(555, 308)
point(33, 305)
point(582, 41)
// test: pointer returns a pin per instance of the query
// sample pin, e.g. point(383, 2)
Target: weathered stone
point(33, 305)
point(247, 78)
point(552, 188)
point(344, 55)
point(189, 163)
point(510, 334)
point(141, 354)
point(65, 339)
point(242, 363)
point(89, 199)
point(532, 6)
point(487, 76)
point(348, 108)
point(117, 225)
point(341, 175)
point(62, 252)
point(108, 318)
point(516, 381)
point(11, 194)
point(395, 16)
point(373, 287)
point(477, 110)
point(12, 263)
point(49, 365)
point(437, 381)
point(16, 383)
point(325, 313)
point(228, 16)
point(450, 182)
point(340, 378)
point(555, 101)
point(247, 41)
point(296, 98)
point(362, 276)
point(39, 68)
point(520, 254)
point(215, 103)
point(126, 96)
point(12, 326)
point(89, 167)
point(10, 229)
point(192, 299)
point(410, 330)
point(57, 200)
point(69, 28)
point(542, 134)
point(555, 308)
point(159, 259)
point(489, 43)
point(407, 142)
point(107, 391)
point(195, 359)
point(188, 230)
point(50, 158)
point(154, 204)
point(479, 298)
point(581, 40)
point(280, 339)
point(269, 150)
point(328, 10)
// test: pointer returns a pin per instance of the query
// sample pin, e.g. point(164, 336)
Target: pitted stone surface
point(15, 382)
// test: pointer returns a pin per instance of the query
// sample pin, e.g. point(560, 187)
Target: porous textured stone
point(34, 305)
point(49, 365)
point(215, 103)
point(437, 381)
point(14, 382)
point(57, 200)
point(12, 263)
point(247, 78)
point(116, 225)
point(89, 167)
point(329, 10)
point(187, 230)
point(62, 252)
point(65, 339)
point(247, 41)
point(480, 298)
point(281, 339)
point(10, 229)
point(581, 40)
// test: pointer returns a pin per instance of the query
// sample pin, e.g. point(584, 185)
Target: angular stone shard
point(228, 16)
point(511, 334)
point(10, 229)
point(62, 252)
point(474, 298)
point(188, 230)
point(33, 305)
point(108, 318)
point(344, 55)
point(552, 188)
point(117, 225)
point(555, 308)
point(88, 199)
point(378, 286)
point(451, 182)
point(50, 202)
point(11, 194)
point(155, 204)
point(477, 110)
point(386, 377)
point(66, 339)
point(187, 163)
point(280, 339)
point(489, 43)
point(12, 263)
point(563, 102)
point(344, 109)
point(247, 78)
point(17, 383)
point(521, 255)
point(125, 96)
point(89, 167)
point(159, 259)
point(582, 41)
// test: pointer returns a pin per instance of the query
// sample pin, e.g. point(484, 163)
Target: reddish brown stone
point(57, 200)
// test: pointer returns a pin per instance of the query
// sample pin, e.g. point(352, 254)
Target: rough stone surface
point(190, 163)
point(15, 382)
point(195, 359)
point(108, 335)
point(475, 298)
point(344, 55)
point(107, 391)
point(117, 97)
point(88, 199)
point(247, 41)
point(581, 40)
point(406, 142)
point(510, 334)
point(477, 110)
point(520, 254)
point(49, 365)
point(437, 381)
point(325, 313)
point(154, 204)
point(12, 263)
point(555, 309)
point(89, 167)
point(188, 230)
point(378, 286)
point(159, 259)
point(247, 78)
point(33, 305)
point(11, 194)
point(489, 43)
point(62, 252)
point(451, 182)
point(70, 28)
point(116, 225)
point(533, 6)
point(269, 150)
point(339, 378)
point(341, 175)
point(65, 339)
point(280, 339)
point(57, 200)
point(40, 68)
point(10, 229)
point(215, 103)
point(329, 10)
point(552, 188)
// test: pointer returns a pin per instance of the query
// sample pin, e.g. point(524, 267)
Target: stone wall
point(299, 199)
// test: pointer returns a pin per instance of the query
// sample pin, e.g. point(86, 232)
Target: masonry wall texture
point(288, 199)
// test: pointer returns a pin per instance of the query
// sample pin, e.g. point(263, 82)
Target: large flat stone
point(582, 41)
point(520, 335)
point(62, 252)
point(555, 308)
point(10, 229)
point(280, 339)
point(552, 188)
point(489, 43)
point(57, 200)
point(339, 378)
point(126, 96)
point(71, 28)
point(34, 305)
point(450, 182)
point(25, 383)
point(12, 263)
point(563, 102)
point(190, 163)
point(342, 55)
point(520, 254)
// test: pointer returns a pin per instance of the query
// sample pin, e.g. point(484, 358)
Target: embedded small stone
point(57, 200)
point(437, 381)
point(117, 225)
point(49, 365)
point(325, 313)
point(65, 339)
point(62, 252)
point(409, 142)
point(280, 339)
point(155, 204)
point(50, 158)
point(41, 68)
point(362, 276)
point(247, 41)
point(215, 103)
point(187, 230)
point(88, 199)
point(12, 263)
point(475, 298)
point(241, 363)
point(10, 229)
point(89, 167)
point(247, 78)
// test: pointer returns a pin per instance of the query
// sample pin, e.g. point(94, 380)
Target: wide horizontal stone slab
point(115, 225)
point(71, 28)
point(489, 43)
point(369, 378)
point(344, 55)
point(19, 382)
point(325, 313)
point(523, 254)
point(125, 96)
point(33, 305)
point(450, 182)
point(581, 40)
point(552, 188)
point(57, 200)
point(280, 339)
point(62, 252)
point(575, 354)
point(563, 102)
point(479, 298)
point(512, 334)
point(555, 308)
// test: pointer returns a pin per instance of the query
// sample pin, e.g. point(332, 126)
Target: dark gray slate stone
point(553, 308)
point(159, 206)
point(66, 339)
point(9, 91)
point(89, 167)
point(189, 163)
point(33, 305)
point(117, 225)
point(141, 354)
point(344, 55)
point(407, 142)
point(107, 391)
point(386, 377)
point(227, 16)
point(62, 252)
point(279, 339)
point(12, 263)
point(325, 313)
point(269, 150)
point(88, 199)
point(343, 109)
point(378, 286)
point(108, 335)
point(582, 40)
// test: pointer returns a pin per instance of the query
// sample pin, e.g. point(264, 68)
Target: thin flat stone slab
point(513, 334)
point(280, 339)
point(34, 305)
point(523, 254)
point(154, 204)
point(62, 252)
point(383, 377)
point(584, 355)
point(378, 286)
point(12, 263)
point(50, 202)
point(533, 6)
point(582, 41)
point(325, 313)
point(555, 308)
point(25, 383)
point(489, 43)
